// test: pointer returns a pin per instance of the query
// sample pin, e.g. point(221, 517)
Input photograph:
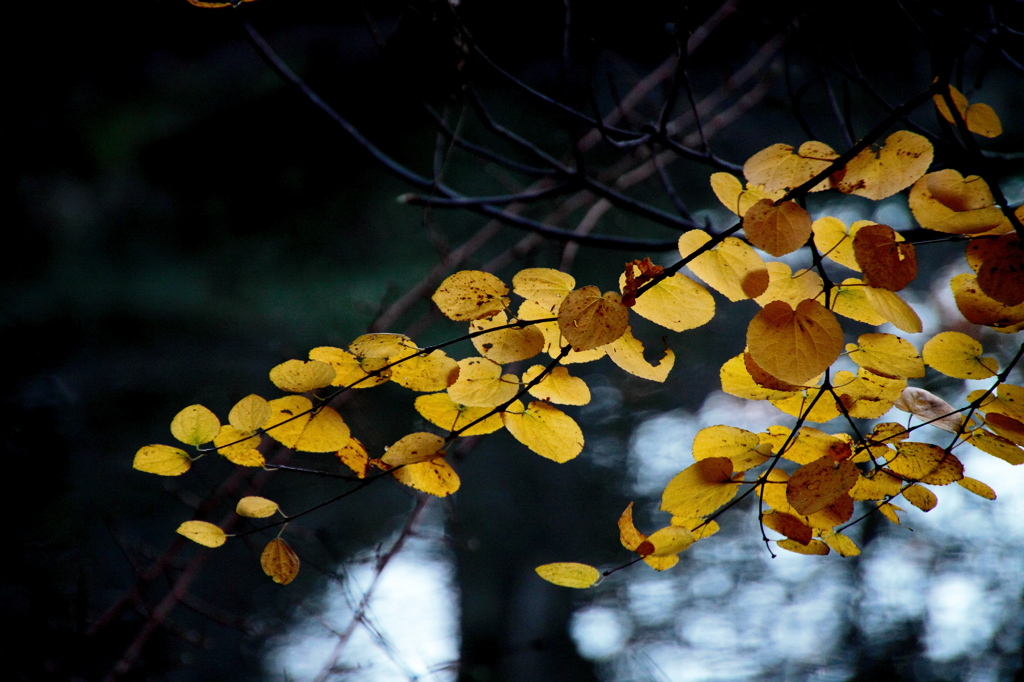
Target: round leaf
point(794, 345)
point(279, 561)
point(588, 320)
point(203, 533)
point(162, 460)
point(195, 425)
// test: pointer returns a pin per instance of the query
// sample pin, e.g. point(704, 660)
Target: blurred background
point(183, 220)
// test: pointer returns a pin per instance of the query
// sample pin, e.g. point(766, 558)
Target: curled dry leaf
point(927, 407)
point(980, 308)
point(946, 201)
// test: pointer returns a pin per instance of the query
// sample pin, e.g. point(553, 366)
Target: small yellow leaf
point(628, 353)
point(279, 561)
point(850, 299)
point(778, 229)
point(296, 376)
point(382, 346)
point(980, 118)
point(732, 268)
point(546, 430)
point(203, 533)
point(435, 477)
point(670, 540)
point(293, 424)
point(239, 447)
point(415, 447)
point(888, 355)
point(877, 173)
point(588, 320)
point(440, 410)
point(920, 497)
point(629, 536)
point(808, 446)
point(348, 371)
point(255, 507)
point(867, 395)
point(977, 487)
point(700, 489)
point(558, 386)
point(794, 345)
point(957, 355)
point(162, 460)
point(544, 286)
point(889, 510)
point(249, 414)
point(195, 425)
point(997, 446)
point(471, 295)
point(568, 574)
point(434, 371)
point(354, 456)
point(481, 384)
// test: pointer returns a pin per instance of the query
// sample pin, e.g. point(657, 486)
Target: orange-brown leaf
point(886, 260)
point(778, 229)
point(588, 320)
point(814, 486)
point(794, 345)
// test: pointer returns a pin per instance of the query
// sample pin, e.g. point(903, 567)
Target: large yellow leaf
point(434, 371)
point(980, 118)
point(293, 425)
point(249, 414)
point(742, 447)
point(544, 286)
point(506, 345)
point(195, 425)
point(835, 241)
point(784, 285)
point(434, 477)
point(887, 261)
point(888, 355)
point(203, 533)
point(255, 507)
point(877, 173)
point(926, 463)
point(978, 307)
point(279, 561)
point(794, 345)
point(946, 201)
point(557, 386)
point(481, 384)
point(677, 303)
point(730, 192)
point(470, 295)
point(777, 229)
point(568, 574)
point(162, 460)
point(296, 376)
point(780, 167)
point(957, 355)
point(348, 370)
point(415, 447)
point(700, 489)
point(732, 268)
point(818, 484)
point(628, 353)
point(546, 430)
point(588, 320)
point(440, 410)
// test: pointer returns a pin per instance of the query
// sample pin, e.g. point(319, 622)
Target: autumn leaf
point(203, 533)
point(545, 286)
point(677, 303)
point(255, 507)
point(946, 201)
point(780, 167)
point(296, 376)
point(1001, 274)
point(568, 574)
point(239, 447)
point(743, 448)
point(355, 457)
point(879, 172)
point(195, 425)
point(162, 460)
point(505, 345)
point(629, 536)
point(588, 320)
point(926, 463)
point(471, 295)
point(249, 414)
point(558, 386)
point(789, 287)
point(920, 497)
point(959, 356)
point(440, 410)
point(481, 384)
point(554, 342)
point(814, 486)
point(415, 447)
point(777, 229)
point(279, 561)
point(348, 369)
point(794, 345)
point(977, 487)
point(997, 446)
point(835, 241)
point(929, 407)
point(293, 424)
point(434, 477)
point(628, 353)
point(980, 118)
point(670, 540)
point(888, 355)
point(433, 371)
point(840, 544)
point(636, 274)
point(978, 307)
point(731, 193)
point(700, 489)
point(813, 548)
point(788, 525)
point(736, 380)
point(886, 260)
point(546, 430)
point(732, 268)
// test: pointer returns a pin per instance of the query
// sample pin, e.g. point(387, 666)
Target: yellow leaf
point(877, 173)
point(732, 268)
point(841, 544)
point(929, 407)
point(249, 414)
point(382, 346)
point(506, 345)
point(435, 477)
point(790, 288)
point(588, 320)
point(730, 192)
point(1009, 428)
point(808, 446)
point(737, 381)
point(850, 299)
point(926, 463)
point(558, 386)
point(629, 536)
point(977, 487)
point(814, 486)
point(348, 371)
point(544, 286)
point(1009, 401)
point(980, 118)
point(978, 307)
point(568, 574)
point(920, 497)
point(780, 167)
point(239, 447)
point(292, 424)
point(890, 306)
point(946, 201)
point(279, 561)
point(959, 356)
point(195, 425)
point(481, 384)
point(878, 486)
point(628, 353)
point(814, 547)
point(794, 345)
point(835, 242)
point(699, 527)
point(700, 489)
point(162, 460)
point(887, 261)
point(867, 395)
point(424, 373)
point(809, 406)
point(677, 303)
point(296, 376)
point(743, 448)
point(440, 410)
point(546, 430)
point(889, 511)
point(471, 295)
point(887, 355)
point(354, 456)
point(763, 378)
point(415, 447)
point(670, 540)
point(788, 525)
point(778, 229)
point(997, 446)
point(203, 533)
point(255, 507)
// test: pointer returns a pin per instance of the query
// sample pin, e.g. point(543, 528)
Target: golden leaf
point(162, 460)
point(568, 574)
point(546, 430)
point(977, 487)
point(382, 346)
point(670, 540)
point(557, 386)
point(888, 355)
point(980, 118)
point(249, 414)
point(195, 425)
point(629, 536)
point(815, 486)
point(794, 345)
point(628, 353)
point(780, 167)
point(348, 370)
point(203, 533)
point(788, 525)
point(239, 447)
point(840, 544)
point(1009, 428)
point(957, 355)
point(279, 561)
point(946, 201)
point(778, 229)
point(835, 242)
point(812, 404)
point(440, 410)
point(296, 376)
point(850, 299)
point(926, 463)
point(877, 173)
point(997, 446)
point(732, 268)
point(784, 285)
point(677, 303)
point(867, 395)
point(978, 307)
point(808, 446)
point(255, 507)
point(920, 497)
point(415, 447)
point(878, 486)
point(814, 547)
point(434, 477)
point(736, 380)
point(544, 286)
point(506, 345)
point(481, 384)
point(294, 425)
point(434, 371)
point(700, 489)
point(890, 306)
point(742, 447)
point(355, 457)
point(471, 295)
point(588, 320)
point(730, 192)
